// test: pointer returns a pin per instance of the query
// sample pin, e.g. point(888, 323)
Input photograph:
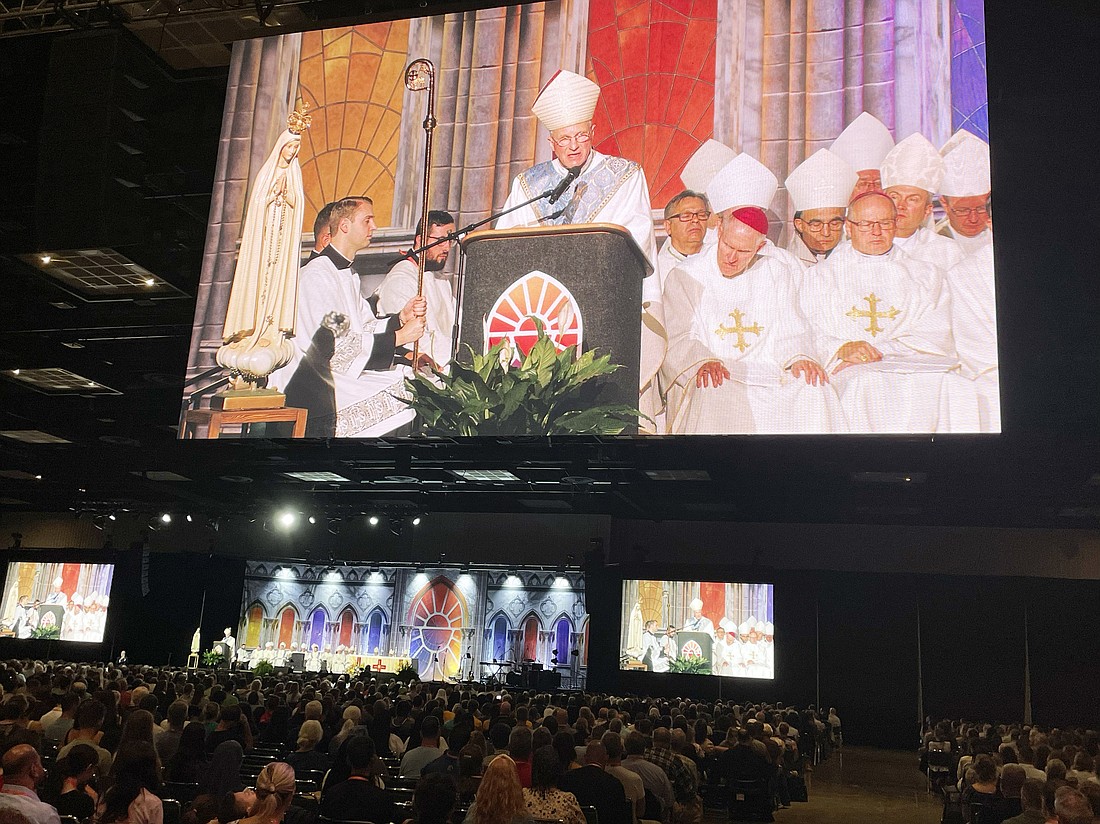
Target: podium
point(695, 645)
point(534, 271)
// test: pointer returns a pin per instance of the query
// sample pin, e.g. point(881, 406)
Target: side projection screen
point(698, 628)
point(65, 602)
point(681, 218)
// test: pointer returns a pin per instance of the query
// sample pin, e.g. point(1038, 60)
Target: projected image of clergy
point(698, 628)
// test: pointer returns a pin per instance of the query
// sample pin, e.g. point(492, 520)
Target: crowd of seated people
point(145, 745)
point(1013, 774)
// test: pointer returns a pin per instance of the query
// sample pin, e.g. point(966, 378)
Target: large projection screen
point(698, 628)
point(829, 317)
point(56, 601)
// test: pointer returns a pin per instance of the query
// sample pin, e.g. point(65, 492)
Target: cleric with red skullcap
point(740, 353)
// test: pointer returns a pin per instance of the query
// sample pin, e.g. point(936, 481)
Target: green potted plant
point(212, 658)
point(407, 673)
point(263, 668)
point(690, 665)
point(548, 393)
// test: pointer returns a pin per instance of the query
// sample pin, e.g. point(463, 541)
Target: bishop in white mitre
point(911, 175)
point(883, 325)
point(740, 357)
point(965, 192)
point(819, 189)
point(863, 145)
point(605, 189)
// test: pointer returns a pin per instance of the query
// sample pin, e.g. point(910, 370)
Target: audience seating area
point(729, 760)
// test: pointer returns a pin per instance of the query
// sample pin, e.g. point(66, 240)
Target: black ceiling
point(1043, 471)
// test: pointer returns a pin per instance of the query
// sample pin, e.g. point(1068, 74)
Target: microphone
point(571, 175)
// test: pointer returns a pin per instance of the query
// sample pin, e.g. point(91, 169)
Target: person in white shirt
point(23, 772)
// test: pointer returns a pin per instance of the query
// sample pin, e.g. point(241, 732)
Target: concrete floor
point(859, 784)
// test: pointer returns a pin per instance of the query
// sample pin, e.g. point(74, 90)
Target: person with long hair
point(222, 774)
point(190, 759)
point(500, 798)
point(274, 793)
point(352, 716)
point(135, 781)
point(70, 779)
point(545, 800)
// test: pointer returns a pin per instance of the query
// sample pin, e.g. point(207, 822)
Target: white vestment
point(752, 323)
point(720, 658)
point(974, 323)
point(399, 287)
point(608, 190)
point(916, 387)
point(657, 647)
point(925, 245)
point(797, 247)
point(968, 245)
point(670, 257)
point(700, 624)
point(363, 376)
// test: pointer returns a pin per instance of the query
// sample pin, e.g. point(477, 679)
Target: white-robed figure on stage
point(607, 189)
point(883, 323)
point(911, 175)
point(697, 621)
point(313, 659)
point(362, 373)
point(974, 323)
point(965, 192)
point(722, 649)
point(863, 145)
point(657, 650)
point(819, 190)
point(741, 357)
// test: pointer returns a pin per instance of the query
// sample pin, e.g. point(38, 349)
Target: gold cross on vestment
point(738, 329)
point(873, 314)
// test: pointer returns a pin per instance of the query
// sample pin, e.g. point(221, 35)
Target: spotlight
point(112, 517)
point(190, 520)
point(416, 521)
point(312, 519)
point(166, 518)
point(373, 520)
point(288, 519)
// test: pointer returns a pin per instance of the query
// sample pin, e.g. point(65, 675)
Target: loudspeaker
point(548, 680)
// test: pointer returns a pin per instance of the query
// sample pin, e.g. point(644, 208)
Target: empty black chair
point(173, 811)
point(750, 800)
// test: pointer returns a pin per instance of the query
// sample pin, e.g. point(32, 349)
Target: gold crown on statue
point(299, 120)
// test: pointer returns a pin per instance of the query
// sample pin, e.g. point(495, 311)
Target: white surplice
point(704, 312)
point(917, 386)
point(366, 382)
point(399, 287)
point(968, 245)
point(974, 323)
point(927, 246)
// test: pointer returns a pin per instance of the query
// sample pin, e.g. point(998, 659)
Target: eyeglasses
point(974, 211)
point(817, 225)
point(868, 225)
point(572, 139)
point(687, 217)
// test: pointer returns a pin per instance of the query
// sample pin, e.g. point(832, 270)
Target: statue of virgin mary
point(260, 318)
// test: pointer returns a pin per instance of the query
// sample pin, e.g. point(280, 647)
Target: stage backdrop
point(462, 618)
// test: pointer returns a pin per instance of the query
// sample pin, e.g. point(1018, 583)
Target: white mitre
point(702, 166)
point(744, 181)
point(727, 625)
point(864, 143)
point(913, 162)
point(565, 100)
point(966, 166)
point(821, 181)
point(769, 628)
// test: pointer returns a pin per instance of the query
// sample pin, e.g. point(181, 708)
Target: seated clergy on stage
point(965, 191)
point(361, 367)
point(863, 145)
point(884, 331)
point(911, 175)
point(974, 322)
point(686, 218)
point(740, 354)
point(607, 189)
point(819, 190)
point(399, 287)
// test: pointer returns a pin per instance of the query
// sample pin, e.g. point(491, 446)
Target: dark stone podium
point(601, 266)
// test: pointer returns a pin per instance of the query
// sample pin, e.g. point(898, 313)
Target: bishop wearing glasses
point(882, 319)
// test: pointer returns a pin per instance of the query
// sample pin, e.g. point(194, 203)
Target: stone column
point(923, 69)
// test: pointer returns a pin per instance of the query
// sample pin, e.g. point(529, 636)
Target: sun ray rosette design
point(536, 298)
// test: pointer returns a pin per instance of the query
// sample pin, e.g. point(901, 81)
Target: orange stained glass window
point(353, 80)
point(654, 61)
point(255, 624)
